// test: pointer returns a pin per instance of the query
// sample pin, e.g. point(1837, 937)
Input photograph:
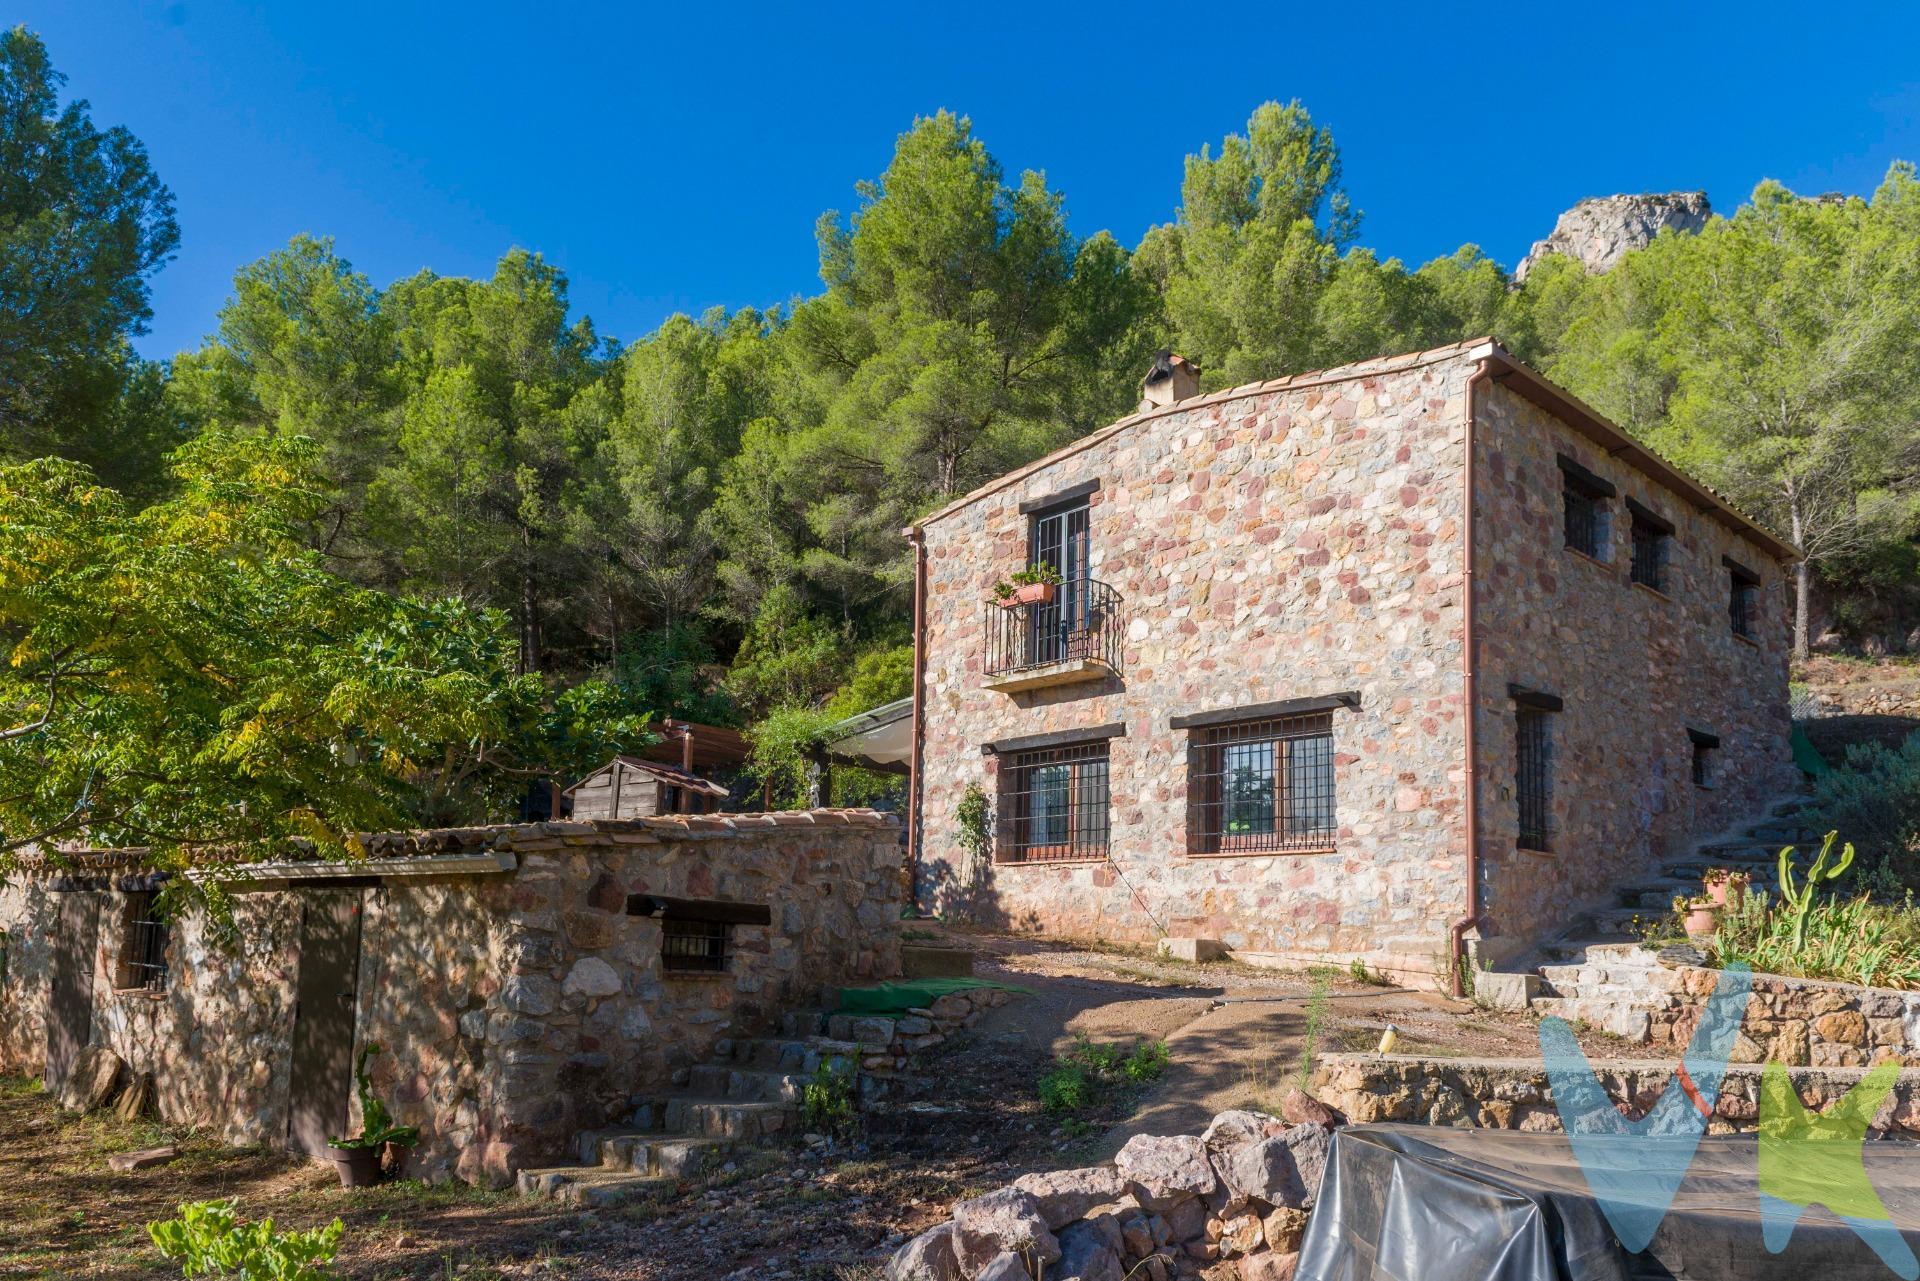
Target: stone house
point(524, 982)
point(1392, 661)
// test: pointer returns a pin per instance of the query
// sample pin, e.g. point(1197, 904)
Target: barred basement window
point(1262, 785)
point(1743, 599)
point(694, 946)
point(1705, 748)
point(1652, 541)
point(1587, 519)
point(1533, 781)
point(143, 945)
point(1053, 804)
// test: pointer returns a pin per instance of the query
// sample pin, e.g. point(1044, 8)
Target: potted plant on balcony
point(1725, 887)
point(358, 1160)
point(1034, 585)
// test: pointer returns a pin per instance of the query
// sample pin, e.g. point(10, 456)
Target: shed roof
point(672, 775)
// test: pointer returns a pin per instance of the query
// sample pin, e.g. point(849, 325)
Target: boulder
point(1089, 1252)
point(1301, 1108)
point(1241, 1234)
point(1284, 1229)
point(93, 1081)
point(1265, 1171)
point(146, 1158)
point(1268, 1266)
point(928, 1257)
point(1166, 1169)
point(1309, 1144)
point(1066, 1195)
point(1005, 1267)
point(1186, 1221)
point(1230, 1130)
point(591, 976)
point(1003, 1220)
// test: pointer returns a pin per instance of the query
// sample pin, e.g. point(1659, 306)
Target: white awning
point(252, 877)
point(882, 736)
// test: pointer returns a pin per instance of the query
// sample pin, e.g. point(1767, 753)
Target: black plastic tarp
point(1413, 1203)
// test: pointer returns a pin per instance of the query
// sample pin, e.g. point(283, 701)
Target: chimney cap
point(1165, 363)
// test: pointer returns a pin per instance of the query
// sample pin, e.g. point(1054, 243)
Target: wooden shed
point(628, 787)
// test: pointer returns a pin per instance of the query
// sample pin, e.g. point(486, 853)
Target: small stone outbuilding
point(524, 982)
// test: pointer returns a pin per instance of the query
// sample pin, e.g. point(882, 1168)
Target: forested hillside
point(458, 498)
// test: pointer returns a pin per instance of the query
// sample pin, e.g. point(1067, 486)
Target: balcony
point(1075, 636)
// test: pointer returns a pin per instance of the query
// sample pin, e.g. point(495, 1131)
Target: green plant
point(209, 1240)
point(1875, 799)
point(1036, 573)
point(1147, 1062)
point(376, 1122)
point(1066, 1087)
point(827, 1100)
point(1799, 899)
point(1087, 1072)
point(976, 823)
point(1316, 1016)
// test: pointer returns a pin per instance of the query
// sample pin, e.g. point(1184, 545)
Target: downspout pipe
point(1469, 663)
point(917, 539)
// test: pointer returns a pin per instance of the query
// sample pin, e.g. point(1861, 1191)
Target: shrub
point(976, 824)
point(209, 1240)
point(1087, 1073)
point(1875, 799)
point(1066, 1088)
point(827, 1100)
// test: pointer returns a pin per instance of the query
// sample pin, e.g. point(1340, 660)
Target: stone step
point(1617, 1018)
point(589, 1187)
point(673, 1156)
point(721, 1118)
point(1622, 922)
point(1776, 835)
point(746, 1084)
point(1585, 949)
point(800, 1024)
point(778, 1054)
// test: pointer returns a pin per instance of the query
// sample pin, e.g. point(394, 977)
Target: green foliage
point(1850, 940)
point(827, 1101)
point(376, 1122)
point(1088, 1073)
point(1876, 797)
point(209, 1240)
point(1032, 575)
point(1799, 897)
point(974, 817)
point(1316, 1018)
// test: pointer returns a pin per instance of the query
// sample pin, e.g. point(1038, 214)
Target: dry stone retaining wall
point(514, 1010)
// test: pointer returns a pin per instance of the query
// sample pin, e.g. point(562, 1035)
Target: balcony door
point(1058, 538)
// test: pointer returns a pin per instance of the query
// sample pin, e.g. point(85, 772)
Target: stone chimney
point(1171, 380)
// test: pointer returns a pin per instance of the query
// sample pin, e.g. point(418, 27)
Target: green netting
point(1806, 755)
point(909, 994)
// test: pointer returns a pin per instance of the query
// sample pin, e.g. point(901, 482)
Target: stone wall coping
point(1600, 1067)
point(660, 829)
point(1794, 983)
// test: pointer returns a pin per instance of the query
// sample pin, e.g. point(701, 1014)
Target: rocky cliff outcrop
point(1600, 229)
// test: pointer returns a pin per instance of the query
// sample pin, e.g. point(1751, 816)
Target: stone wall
point(1297, 539)
point(515, 1009)
point(1514, 1094)
point(1600, 230)
point(1635, 668)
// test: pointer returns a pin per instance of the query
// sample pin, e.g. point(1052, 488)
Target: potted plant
point(1725, 887)
point(1034, 585)
point(1701, 915)
point(358, 1160)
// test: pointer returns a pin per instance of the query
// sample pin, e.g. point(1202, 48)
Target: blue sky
point(676, 158)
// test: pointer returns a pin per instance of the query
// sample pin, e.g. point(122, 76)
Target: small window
point(1588, 519)
point(143, 945)
point(1533, 781)
point(1053, 804)
point(1263, 785)
point(1706, 748)
point(1743, 600)
point(1652, 542)
point(694, 946)
point(5, 942)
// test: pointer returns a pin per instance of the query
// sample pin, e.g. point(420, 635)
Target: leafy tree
point(83, 222)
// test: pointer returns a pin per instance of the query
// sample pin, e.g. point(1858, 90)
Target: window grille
point(143, 945)
point(1053, 804)
point(1586, 519)
point(1650, 544)
point(1262, 785)
point(1534, 777)
point(694, 946)
point(1743, 603)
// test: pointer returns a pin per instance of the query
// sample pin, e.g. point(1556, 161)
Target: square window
point(1743, 601)
point(1706, 751)
point(1053, 804)
point(692, 946)
point(1262, 785)
point(1652, 544)
point(142, 965)
point(1533, 776)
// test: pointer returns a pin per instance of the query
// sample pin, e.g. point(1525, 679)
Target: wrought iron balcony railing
point(1079, 627)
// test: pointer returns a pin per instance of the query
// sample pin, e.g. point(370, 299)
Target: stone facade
point(1600, 230)
point(514, 1009)
point(1514, 1094)
point(1303, 538)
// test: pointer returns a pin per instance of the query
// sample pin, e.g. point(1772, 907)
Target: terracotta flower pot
point(1701, 919)
point(357, 1167)
point(1726, 893)
point(1033, 594)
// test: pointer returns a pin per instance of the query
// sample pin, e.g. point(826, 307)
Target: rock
point(1166, 1169)
point(591, 976)
point(1004, 1267)
point(1137, 1235)
point(529, 994)
point(1265, 1171)
point(1309, 1144)
point(1196, 950)
point(1284, 1229)
point(1006, 1219)
point(1300, 1108)
point(126, 1162)
point(93, 1080)
point(1241, 1234)
point(1268, 1267)
point(1088, 1253)
point(1497, 990)
point(137, 1099)
point(1233, 1129)
point(1187, 1220)
point(1066, 1195)
point(1844, 1028)
point(1600, 230)
point(927, 1257)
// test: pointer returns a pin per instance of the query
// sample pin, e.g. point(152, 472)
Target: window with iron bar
point(143, 945)
point(1533, 776)
point(1743, 602)
point(689, 945)
point(1652, 542)
point(1587, 517)
point(1262, 786)
point(1053, 804)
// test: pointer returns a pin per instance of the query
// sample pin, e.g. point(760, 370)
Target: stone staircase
point(1597, 973)
point(749, 1094)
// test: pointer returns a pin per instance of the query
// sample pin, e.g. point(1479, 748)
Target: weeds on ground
point(1316, 1017)
point(1088, 1074)
point(828, 1101)
point(1361, 972)
point(209, 1239)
